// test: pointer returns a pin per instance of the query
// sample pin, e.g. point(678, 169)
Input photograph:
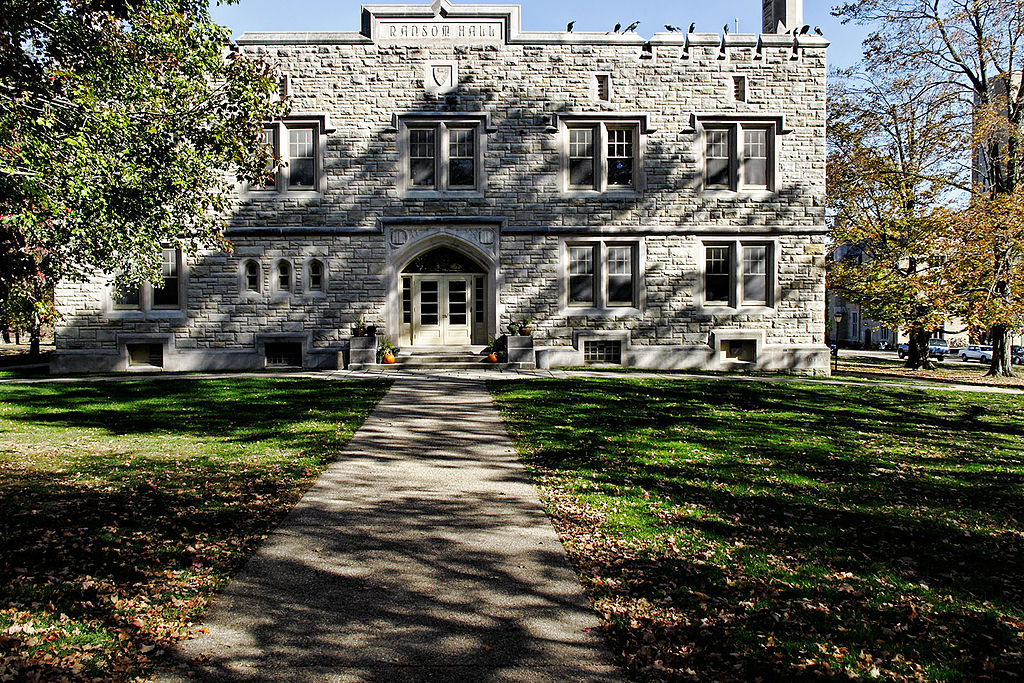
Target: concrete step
point(453, 365)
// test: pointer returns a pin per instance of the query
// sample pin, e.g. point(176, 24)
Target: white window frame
point(736, 301)
point(736, 129)
point(282, 146)
point(442, 127)
point(601, 305)
point(601, 127)
point(146, 307)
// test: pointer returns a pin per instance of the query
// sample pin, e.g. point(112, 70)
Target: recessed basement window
point(739, 88)
point(284, 355)
point(145, 355)
point(603, 87)
point(602, 352)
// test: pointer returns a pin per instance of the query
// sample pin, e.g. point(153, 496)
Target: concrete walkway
point(421, 554)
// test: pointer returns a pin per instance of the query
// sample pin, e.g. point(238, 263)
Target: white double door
point(442, 310)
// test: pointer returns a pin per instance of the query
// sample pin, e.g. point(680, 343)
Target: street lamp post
point(835, 355)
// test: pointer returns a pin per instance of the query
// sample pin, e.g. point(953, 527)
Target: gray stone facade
point(367, 216)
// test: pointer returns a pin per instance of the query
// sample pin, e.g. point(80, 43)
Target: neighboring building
point(658, 203)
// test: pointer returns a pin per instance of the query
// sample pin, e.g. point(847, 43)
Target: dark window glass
point(581, 157)
point(620, 157)
point(301, 158)
point(461, 158)
point(421, 157)
point(717, 267)
point(252, 276)
point(602, 352)
point(125, 296)
point(168, 295)
point(316, 276)
point(620, 276)
point(581, 275)
point(717, 158)
point(284, 276)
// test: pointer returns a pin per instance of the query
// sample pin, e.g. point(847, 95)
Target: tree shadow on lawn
point(874, 503)
point(111, 544)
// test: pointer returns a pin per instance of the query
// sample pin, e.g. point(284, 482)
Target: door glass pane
point(478, 295)
point(428, 302)
point(406, 300)
point(457, 302)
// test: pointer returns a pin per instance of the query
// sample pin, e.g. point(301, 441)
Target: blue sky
point(552, 15)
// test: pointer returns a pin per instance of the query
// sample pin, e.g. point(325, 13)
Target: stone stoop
point(446, 358)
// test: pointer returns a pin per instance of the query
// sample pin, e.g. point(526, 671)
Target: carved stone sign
point(428, 31)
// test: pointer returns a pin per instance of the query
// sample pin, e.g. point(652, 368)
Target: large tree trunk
point(917, 349)
point(34, 339)
point(1001, 359)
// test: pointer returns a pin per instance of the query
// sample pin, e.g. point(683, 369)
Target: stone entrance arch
point(429, 264)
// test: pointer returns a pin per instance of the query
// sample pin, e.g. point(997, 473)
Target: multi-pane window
point(601, 156)
point(284, 276)
point(301, 158)
point(755, 157)
point(620, 157)
point(738, 157)
point(755, 274)
point(717, 158)
point(718, 275)
point(442, 156)
point(581, 157)
point(151, 296)
point(581, 276)
point(620, 276)
point(295, 148)
point(461, 158)
point(315, 277)
point(168, 295)
point(252, 276)
point(421, 157)
point(738, 274)
point(602, 275)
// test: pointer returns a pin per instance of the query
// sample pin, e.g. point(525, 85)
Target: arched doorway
point(443, 299)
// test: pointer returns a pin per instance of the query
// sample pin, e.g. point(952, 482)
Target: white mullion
point(737, 274)
point(283, 141)
point(601, 150)
point(601, 274)
point(736, 154)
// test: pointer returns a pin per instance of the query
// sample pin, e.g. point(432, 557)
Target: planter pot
point(371, 330)
point(525, 331)
point(358, 331)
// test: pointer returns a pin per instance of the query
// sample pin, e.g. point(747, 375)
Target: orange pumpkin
point(389, 357)
point(492, 357)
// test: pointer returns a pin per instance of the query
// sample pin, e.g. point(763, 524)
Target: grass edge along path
point(125, 507)
point(792, 531)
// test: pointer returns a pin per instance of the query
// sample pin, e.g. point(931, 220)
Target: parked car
point(937, 349)
point(978, 352)
point(1017, 355)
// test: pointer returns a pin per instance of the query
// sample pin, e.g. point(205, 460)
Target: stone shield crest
point(442, 75)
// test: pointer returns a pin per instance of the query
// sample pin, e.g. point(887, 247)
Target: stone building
point(654, 202)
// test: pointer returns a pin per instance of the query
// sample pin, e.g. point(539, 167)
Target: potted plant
point(526, 327)
point(359, 329)
point(492, 351)
point(513, 328)
point(386, 351)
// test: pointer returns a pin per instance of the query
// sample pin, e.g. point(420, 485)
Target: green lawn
point(124, 506)
point(735, 531)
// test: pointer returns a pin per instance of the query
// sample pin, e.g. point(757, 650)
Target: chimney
point(779, 16)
